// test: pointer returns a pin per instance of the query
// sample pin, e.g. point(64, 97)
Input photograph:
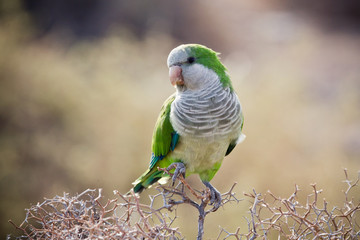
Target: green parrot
point(199, 124)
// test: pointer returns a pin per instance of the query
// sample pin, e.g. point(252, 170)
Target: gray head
point(194, 66)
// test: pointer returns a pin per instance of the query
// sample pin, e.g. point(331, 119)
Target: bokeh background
point(82, 82)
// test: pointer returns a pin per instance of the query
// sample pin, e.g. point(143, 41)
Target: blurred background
point(82, 83)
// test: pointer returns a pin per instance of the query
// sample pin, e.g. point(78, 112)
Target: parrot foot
point(215, 196)
point(180, 169)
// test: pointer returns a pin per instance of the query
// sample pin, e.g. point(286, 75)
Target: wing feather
point(164, 137)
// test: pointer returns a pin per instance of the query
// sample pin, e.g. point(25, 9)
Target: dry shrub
point(86, 216)
point(272, 216)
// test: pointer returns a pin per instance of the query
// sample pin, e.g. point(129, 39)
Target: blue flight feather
point(174, 140)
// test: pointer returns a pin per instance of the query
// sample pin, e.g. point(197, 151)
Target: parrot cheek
point(176, 77)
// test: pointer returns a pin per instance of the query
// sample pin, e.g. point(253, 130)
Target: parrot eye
point(191, 60)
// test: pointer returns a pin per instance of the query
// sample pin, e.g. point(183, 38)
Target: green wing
point(164, 140)
point(164, 137)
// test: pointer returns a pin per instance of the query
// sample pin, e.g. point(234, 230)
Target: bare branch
point(89, 216)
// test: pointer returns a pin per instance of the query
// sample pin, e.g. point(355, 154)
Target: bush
point(88, 216)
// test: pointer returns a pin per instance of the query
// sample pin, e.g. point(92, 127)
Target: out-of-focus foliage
point(77, 109)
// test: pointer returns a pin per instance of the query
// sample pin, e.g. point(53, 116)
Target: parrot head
point(196, 67)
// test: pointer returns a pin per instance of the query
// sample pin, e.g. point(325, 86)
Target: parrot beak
point(176, 77)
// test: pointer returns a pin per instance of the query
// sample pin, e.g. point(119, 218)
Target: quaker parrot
point(199, 124)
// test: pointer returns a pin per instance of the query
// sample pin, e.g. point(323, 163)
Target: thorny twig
point(88, 216)
point(288, 218)
point(178, 195)
point(85, 216)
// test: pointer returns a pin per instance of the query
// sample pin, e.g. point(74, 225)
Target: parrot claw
point(215, 196)
point(180, 169)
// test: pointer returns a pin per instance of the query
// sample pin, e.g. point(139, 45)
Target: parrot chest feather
point(206, 114)
point(207, 121)
point(200, 154)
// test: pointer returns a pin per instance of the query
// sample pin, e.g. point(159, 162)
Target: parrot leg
point(215, 196)
point(180, 169)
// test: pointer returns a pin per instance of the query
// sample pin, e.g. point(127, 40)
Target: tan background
point(81, 86)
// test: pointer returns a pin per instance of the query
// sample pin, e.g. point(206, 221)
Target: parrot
point(199, 124)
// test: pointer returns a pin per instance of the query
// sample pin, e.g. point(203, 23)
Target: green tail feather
point(147, 179)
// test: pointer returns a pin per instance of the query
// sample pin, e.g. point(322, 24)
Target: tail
point(150, 177)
